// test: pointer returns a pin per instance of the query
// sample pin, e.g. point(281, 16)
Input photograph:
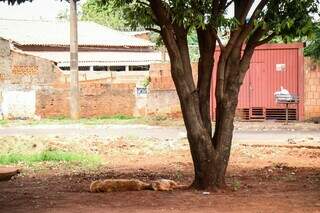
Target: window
point(84, 68)
point(100, 68)
point(80, 68)
point(117, 68)
point(65, 68)
point(139, 68)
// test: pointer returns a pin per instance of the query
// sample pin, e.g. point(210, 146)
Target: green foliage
point(106, 15)
point(313, 47)
point(192, 38)
point(116, 117)
point(193, 46)
point(146, 82)
point(288, 19)
point(194, 53)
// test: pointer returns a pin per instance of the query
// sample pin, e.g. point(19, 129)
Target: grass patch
point(115, 117)
point(59, 118)
point(3, 122)
point(49, 156)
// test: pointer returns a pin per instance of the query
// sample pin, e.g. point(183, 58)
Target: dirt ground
point(261, 177)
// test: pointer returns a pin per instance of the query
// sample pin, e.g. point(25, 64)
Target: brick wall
point(311, 89)
point(21, 75)
point(96, 99)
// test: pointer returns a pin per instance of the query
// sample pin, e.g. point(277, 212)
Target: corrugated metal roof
point(37, 32)
point(102, 58)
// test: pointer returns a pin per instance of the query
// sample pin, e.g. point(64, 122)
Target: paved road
point(159, 132)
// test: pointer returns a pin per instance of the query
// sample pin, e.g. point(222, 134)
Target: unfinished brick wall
point(96, 99)
point(21, 75)
point(162, 97)
point(31, 71)
point(311, 89)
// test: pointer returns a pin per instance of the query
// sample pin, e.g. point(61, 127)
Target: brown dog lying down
point(112, 185)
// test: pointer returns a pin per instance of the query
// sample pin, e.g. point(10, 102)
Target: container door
point(258, 90)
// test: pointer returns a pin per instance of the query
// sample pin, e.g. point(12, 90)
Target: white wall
point(18, 104)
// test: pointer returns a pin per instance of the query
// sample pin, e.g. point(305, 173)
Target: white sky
point(38, 9)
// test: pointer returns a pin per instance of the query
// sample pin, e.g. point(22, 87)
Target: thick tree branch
point(252, 43)
point(207, 45)
point(241, 9)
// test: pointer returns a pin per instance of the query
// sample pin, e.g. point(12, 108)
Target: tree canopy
point(313, 45)
point(104, 14)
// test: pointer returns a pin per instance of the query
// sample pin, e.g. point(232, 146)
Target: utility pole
point(74, 73)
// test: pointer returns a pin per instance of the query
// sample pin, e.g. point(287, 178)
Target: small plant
point(146, 82)
point(179, 174)
point(122, 117)
point(160, 118)
point(61, 117)
point(236, 185)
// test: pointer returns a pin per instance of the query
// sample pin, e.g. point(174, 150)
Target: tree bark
point(210, 163)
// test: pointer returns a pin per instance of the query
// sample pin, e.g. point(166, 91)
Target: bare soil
point(260, 178)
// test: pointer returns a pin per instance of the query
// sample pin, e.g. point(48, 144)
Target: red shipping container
point(272, 66)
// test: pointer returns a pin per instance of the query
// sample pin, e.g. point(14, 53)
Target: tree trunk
point(210, 154)
point(211, 161)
